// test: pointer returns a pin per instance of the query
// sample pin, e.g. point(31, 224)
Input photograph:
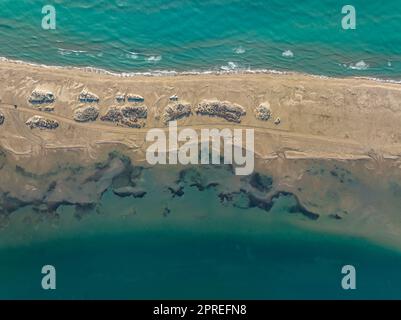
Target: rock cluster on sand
point(137, 111)
point(1, 118)
point(87, 96)
point(127, 115)
point(86, 114)
point(41, 123)
point(223, 109)
point(263, 112)
point(134, 98)
point(41, 97)
point(175, 111)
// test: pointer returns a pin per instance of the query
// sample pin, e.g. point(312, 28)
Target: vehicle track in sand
point(135, 131)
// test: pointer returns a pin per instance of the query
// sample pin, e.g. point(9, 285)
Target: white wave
point(131, 55)
point(380, 80)
point(158, 73)
point(154, 58)
point(288, 54)
point(239, 50)
point(230, 66)
point(67, 52)
point(360, 65)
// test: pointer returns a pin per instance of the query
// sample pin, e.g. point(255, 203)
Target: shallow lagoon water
point(129, 249)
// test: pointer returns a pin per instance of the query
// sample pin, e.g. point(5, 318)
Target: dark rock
point(87, 96)
point(85, 114)
point(41, 123)
point(223, 109)
point(261, 182)
point(176, 111)
point(41, 97)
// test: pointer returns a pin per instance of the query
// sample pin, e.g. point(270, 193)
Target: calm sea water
point(142, 36)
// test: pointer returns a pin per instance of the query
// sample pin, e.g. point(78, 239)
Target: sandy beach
point(319, 117)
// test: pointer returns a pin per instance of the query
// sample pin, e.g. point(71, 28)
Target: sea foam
point(360, 65)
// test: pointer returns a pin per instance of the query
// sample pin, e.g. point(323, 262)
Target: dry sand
point(320, 117)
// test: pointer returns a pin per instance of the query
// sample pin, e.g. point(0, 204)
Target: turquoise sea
point(207, 35)
point(202, 249)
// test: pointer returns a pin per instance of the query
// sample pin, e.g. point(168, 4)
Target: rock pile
point(223, 109)
point(175, 111)
point(87, 96)
point(41, 97)
point(1, 118)
point(140, 111)
point(114, 114)
point(86, 114)
point(129, 116)
point(41, 123)
point(134, 98)
point(263, 112)
point(133, 123)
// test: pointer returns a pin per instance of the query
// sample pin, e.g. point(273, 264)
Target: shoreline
point(172, 73)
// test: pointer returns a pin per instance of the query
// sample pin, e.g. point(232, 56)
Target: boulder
point(129, 116)
point(87, 96)
point(263, 111)
point(86, 114)
point(132, 123)
point(114, 114)
point(175, 111)
point(1, 118)
point(140, 112)
point(41, 123)
point(223, 109)
point(39, 96)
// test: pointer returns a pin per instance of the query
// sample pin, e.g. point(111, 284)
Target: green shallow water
point(143, 36)
point(216, 252)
